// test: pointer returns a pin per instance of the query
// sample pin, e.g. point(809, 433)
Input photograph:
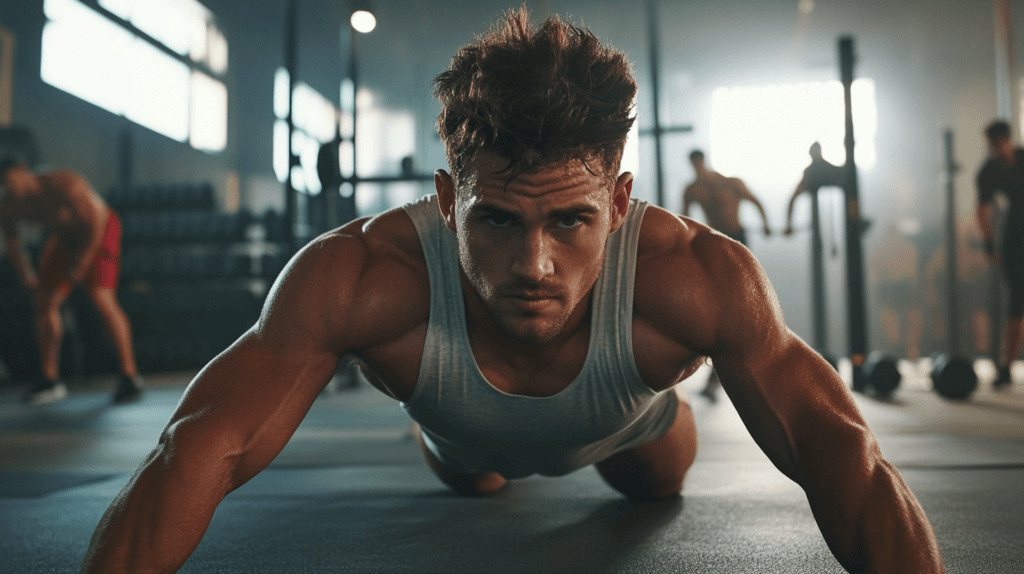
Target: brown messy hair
point(537, 96)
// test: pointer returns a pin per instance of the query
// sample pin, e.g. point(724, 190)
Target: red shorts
point(107, 264)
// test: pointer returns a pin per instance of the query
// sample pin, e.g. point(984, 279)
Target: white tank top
point(474, 427)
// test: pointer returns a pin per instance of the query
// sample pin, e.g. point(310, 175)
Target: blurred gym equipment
point(953, 376)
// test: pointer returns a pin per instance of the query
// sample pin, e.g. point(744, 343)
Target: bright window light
point(68, 10)
point(121, 8)
point(363, 21)
point(307, 158)
point(345, 158)
point(762, 133)
point(100, 61)
point(281, 150)
point(298, 179)
point(347, 94)
point(209, 119)
point(159, 93)
point(281, 83)
point(385, 136)
point(631, 152)
point(218, 51)
point(82, 55)
point(164, 21)
point(314, 113)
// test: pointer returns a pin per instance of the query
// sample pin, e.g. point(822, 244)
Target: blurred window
point(314, 121)
point(763, 133)
point(99, 58)
point(385, 136)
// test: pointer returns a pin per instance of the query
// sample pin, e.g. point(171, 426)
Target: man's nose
point(533, 261)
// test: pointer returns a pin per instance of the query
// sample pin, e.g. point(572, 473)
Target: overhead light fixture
point(363, 21)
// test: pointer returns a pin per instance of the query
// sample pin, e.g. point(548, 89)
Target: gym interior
point(228, 134)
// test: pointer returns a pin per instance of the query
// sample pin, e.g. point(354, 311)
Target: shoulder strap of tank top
point(613, 295)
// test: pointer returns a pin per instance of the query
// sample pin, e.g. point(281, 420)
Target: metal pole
point(818, 278)
point(353, 74)
point(951, 251)
point(290, 194)
point(653, 51)
point(856, 308)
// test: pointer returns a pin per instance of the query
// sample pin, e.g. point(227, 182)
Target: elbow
point(192, 450)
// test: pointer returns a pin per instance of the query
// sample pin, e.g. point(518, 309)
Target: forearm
point(158, 519)
point(985, 220)
point(895, 532)
point(792, 203)
point(872, 522)
point(18, 259)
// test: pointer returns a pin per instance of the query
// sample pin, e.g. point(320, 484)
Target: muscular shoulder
point(352, 288)
point(693, 284)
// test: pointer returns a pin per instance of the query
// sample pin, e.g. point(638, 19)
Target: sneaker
point(44, 392)
point(1003, 380)
point(128, 389)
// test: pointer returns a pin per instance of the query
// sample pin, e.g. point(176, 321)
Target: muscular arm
point(17, 255)
point(985, 214)
point(241, 409)
point(744, 193)
point(95, 214)
point(687, 200)
point(792, 201)
point(802, 415)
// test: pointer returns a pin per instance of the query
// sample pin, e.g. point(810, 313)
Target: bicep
point(251, 398)
point(254, 395)
point(792, 401)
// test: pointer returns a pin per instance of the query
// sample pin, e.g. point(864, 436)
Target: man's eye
point(570, 222)
point(498, 220)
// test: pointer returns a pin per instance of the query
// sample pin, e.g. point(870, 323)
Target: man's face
point(18, 181)
point(532, 253)
point(1001, 149)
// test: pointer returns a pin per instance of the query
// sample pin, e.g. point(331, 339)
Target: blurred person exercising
point(82, 247)
point(818, 174)
point(532, 318)
point(719, 197)
point(1004, 171)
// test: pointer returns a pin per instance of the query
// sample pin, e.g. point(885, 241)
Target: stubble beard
point(521, 329)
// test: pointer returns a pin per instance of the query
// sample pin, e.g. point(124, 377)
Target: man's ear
point(620, 199)
point(445, 197)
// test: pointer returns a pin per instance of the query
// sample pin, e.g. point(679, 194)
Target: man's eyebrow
point(568, 211)
point(574, 210)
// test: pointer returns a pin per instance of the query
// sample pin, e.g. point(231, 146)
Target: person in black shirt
point(1004, 171)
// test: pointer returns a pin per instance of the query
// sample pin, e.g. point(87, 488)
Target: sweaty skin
point(530, 254)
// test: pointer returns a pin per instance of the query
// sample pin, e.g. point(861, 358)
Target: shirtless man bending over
point(83, 247)
point(531, 318)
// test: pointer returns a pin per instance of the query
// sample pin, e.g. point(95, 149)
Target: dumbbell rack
point(191, 278)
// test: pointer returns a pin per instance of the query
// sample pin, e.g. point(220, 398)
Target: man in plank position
point(531, 318)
